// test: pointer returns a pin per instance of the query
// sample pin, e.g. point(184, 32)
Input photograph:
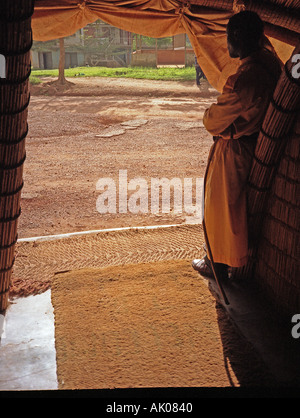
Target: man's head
point(244, 34)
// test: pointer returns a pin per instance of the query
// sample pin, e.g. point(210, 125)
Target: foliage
point(167, 73)
point(45, 46)
point(153, 42)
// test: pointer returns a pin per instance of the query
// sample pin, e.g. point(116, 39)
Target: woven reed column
point(277, 270)
point(15, 44)
point(275, 134)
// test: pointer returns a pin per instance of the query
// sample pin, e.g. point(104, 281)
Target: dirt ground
point(97, 126)
point(90, 131)
point(136, 336)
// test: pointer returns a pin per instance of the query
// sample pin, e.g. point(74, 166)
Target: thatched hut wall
point(273, 198)
point(15, 45)
point(277, 269)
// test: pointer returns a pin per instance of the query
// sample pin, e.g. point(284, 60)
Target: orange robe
point(235, 121)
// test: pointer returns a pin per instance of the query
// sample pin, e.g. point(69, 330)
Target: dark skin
point(235, 47)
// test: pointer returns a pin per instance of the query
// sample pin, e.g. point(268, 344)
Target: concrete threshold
point(27, 346)
point(27, 350)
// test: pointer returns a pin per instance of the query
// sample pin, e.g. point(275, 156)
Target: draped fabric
point(204, 21)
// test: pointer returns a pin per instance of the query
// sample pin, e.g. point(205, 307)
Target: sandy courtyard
point(94, 129)
point(91, 131)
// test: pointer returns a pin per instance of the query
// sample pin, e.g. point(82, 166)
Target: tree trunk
point(15, 45)
point(61, 67)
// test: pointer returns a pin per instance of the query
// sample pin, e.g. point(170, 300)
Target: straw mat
point(38, 262)
point(140, 325)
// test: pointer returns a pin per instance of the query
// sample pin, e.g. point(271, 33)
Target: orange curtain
point(205, 27)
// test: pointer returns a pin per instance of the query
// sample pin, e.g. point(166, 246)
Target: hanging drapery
point(15, 44)
point(204, 21)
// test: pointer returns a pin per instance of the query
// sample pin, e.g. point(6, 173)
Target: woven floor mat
point(38, 262)
point(147, 325)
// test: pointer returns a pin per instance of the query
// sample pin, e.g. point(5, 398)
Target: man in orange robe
point(235, 121)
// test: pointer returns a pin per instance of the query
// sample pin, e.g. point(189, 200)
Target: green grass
point(34, 79)
point(175, 74)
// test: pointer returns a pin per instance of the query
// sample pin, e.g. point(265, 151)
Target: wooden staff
point(207, 241)
point(213, 266)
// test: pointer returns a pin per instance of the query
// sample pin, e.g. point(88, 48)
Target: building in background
point(172, 51)
point(100, 44)
point(45, 55)
point(97, 44)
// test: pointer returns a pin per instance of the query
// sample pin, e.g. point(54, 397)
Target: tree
point(53, 45)
point(61, 65)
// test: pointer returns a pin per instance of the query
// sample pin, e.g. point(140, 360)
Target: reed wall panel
point(277, 270)
point(273, 197)
point(15, 45)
